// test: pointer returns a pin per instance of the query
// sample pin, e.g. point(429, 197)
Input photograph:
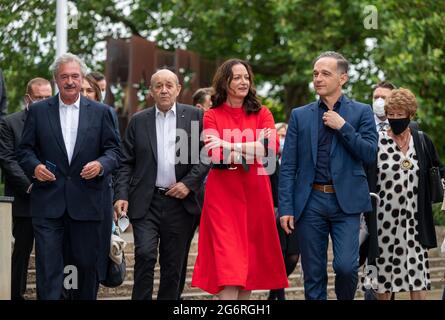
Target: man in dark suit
point(322, 184)
point(69, 145)
point(158, 184)
point(17, 185)
point(3, 99)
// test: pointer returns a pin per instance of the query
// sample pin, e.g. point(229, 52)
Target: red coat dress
point(238, 241)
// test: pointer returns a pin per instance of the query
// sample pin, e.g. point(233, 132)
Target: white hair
point(65, 58)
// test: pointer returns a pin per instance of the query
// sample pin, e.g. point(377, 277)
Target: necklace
point(404, 144)
point(406, 163)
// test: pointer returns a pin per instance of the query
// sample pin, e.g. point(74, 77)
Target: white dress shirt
point(166, 145)
point(379, 126)
point(69, 122)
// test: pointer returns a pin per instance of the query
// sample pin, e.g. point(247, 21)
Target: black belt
point(224, 166)
point(161, 191)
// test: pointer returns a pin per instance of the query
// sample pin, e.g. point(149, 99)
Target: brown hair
point(38, 82)
point(224, 76)
point(93, 83)
point(385, 85)
point(402, 99)
point(200, 94)
point(97, 75)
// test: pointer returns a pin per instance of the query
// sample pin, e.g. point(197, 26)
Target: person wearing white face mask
point(381, 92)
point(18, 185)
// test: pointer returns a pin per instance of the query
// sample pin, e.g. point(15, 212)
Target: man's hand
point(91, 170)
point(120, 209)
point(43, 174)
point(333, 120)
point(287, 223)
point(178, 190)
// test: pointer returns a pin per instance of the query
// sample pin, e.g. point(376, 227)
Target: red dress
point(238, 241)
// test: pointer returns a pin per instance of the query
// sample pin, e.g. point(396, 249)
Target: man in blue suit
point(69, 146)
point(322, 184)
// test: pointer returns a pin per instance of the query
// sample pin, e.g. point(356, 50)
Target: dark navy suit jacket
point(42, 141)
point(352, 146)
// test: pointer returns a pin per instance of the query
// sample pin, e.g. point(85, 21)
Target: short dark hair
point(385, 84)
point(97, 75)
point(222, 79)
point(342, 63)
point(36, 81)
point(200, 94)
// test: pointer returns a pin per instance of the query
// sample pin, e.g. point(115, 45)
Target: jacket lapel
point(314, 131)
point(54, 121)
point(151, 131)
point(180, 125)
point(24, 115)
point(344, 107)
point(180, 119)
point(82, 129)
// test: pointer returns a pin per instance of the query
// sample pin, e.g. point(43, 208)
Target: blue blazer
point(42, 141)
point(352, 146)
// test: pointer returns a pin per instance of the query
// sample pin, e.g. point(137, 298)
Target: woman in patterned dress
point(405, 228)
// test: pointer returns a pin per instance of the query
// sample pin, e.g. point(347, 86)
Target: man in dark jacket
point(17, 184)
point(158, 184)
point(69, 146)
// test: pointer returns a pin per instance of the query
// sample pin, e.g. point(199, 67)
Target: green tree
point(280, 38)
point(410, 51)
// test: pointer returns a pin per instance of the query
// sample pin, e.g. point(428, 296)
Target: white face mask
point(378, 106)
point(102, 93)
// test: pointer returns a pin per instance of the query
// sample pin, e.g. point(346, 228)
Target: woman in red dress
point(238, 248)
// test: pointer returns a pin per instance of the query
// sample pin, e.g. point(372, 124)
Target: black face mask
point(399, 125)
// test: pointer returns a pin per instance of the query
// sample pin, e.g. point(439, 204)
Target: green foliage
point(280, 38)
point(439, 216)
point(410, 50)
point(276, 108)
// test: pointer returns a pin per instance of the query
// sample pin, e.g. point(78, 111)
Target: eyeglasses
point(37, 98)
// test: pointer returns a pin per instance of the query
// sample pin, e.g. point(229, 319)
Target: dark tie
point(383, 126)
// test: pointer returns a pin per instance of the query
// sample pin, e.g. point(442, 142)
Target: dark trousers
point(23, 234)
point(186, 256)
point(322, 217)
point(168, 225)
point(66, 245)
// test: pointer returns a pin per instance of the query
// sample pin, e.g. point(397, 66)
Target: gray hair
point(66, 58)
point(342, 63)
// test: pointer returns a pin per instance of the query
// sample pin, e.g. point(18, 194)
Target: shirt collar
point(336, 105)
point(159, 112)
point(378, 121)
point(76, 103)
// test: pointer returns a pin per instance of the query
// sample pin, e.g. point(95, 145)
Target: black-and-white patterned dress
point(403, 261)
